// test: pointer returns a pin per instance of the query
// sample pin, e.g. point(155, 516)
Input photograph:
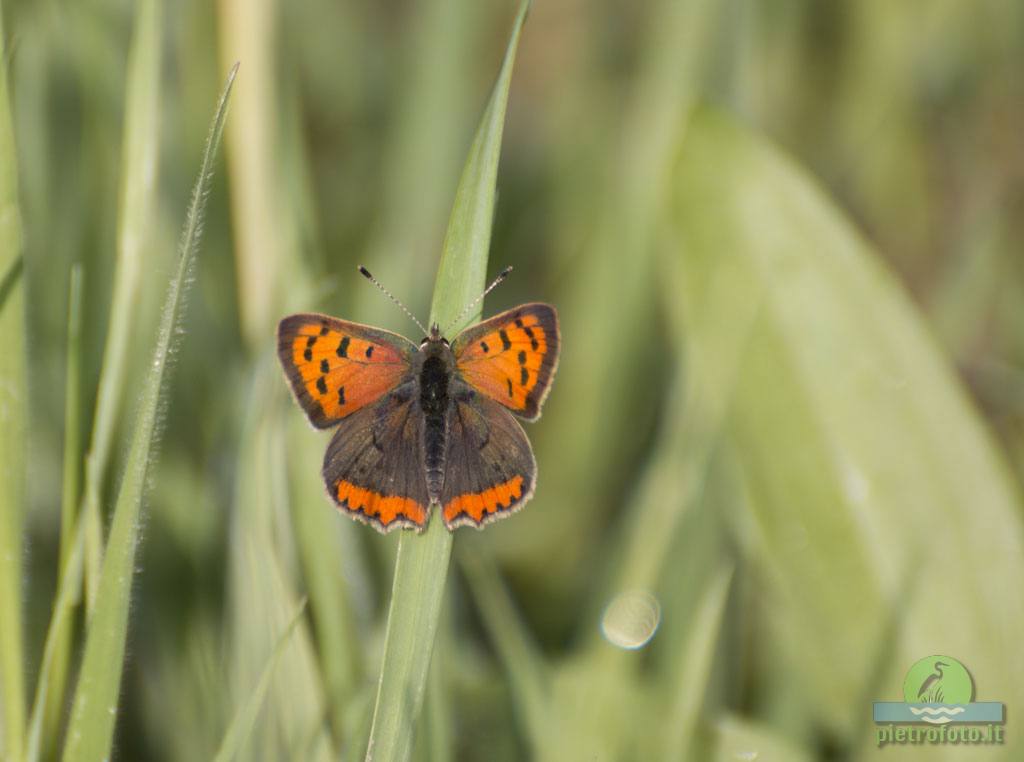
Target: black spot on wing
point(343, 347)
point(509, 380)
point(325, 366)
point(369, 352)
point(308, 354)
point(522, 357)
point(505, 343)
point(321, 385)
point(483, 346)
point(341, 395)
point(524, 376)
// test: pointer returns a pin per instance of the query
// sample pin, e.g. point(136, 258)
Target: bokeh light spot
point(631, 619)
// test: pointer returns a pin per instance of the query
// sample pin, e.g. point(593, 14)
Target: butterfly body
point(434, 379)
point(424, 425)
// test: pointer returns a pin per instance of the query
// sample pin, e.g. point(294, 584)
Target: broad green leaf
point(881, 518)
point(91, 728)
point(421, 566)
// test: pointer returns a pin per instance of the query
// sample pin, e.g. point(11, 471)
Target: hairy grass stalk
point(91, 728)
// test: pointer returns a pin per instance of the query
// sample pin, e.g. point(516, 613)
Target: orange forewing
point(512, 357)
point(336, 367)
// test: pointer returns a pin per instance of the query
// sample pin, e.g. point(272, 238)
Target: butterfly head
point(435, 336)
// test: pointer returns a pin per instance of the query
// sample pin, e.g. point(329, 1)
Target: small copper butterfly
point(424, 425)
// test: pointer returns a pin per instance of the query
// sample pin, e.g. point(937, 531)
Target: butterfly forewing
point(511, 357)
point(336, 368)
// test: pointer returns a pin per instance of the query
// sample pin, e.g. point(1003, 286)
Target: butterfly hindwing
point(490, 469)
point(511, 357)
point(336, 368)
point(372, 468)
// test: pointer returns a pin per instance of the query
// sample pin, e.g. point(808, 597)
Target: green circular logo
point(938, 680)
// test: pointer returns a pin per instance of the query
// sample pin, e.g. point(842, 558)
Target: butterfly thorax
point(434, 381)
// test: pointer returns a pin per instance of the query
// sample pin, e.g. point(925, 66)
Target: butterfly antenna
point(494, 284)
point(389, 295)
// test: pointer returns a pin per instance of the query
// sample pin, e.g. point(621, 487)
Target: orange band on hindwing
point(479, 505)
point(380, 508)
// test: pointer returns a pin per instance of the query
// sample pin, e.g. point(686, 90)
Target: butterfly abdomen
point(434, 401)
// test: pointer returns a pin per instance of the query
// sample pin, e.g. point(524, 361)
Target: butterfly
point(424, 425)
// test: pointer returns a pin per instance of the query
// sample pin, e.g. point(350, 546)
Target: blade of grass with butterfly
point(421, 565)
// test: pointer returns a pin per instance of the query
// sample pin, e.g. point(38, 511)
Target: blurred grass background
point(784, 242)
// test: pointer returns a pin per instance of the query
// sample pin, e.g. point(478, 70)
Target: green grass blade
point(247, 33)
point(697, 658)
point(695, 410)
point(524, 668)
point(91, 728)
point(53, 674)
point(57, 638)
point(435, 743)
point(13, 407)
point(138, 189)
point(421, 565)
point(340, 649)
point(245, 718)
point(263, 585)
point(72, 419)
point(610, 291)
point(463, 271)
point(427, 140)
point(736, 738)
